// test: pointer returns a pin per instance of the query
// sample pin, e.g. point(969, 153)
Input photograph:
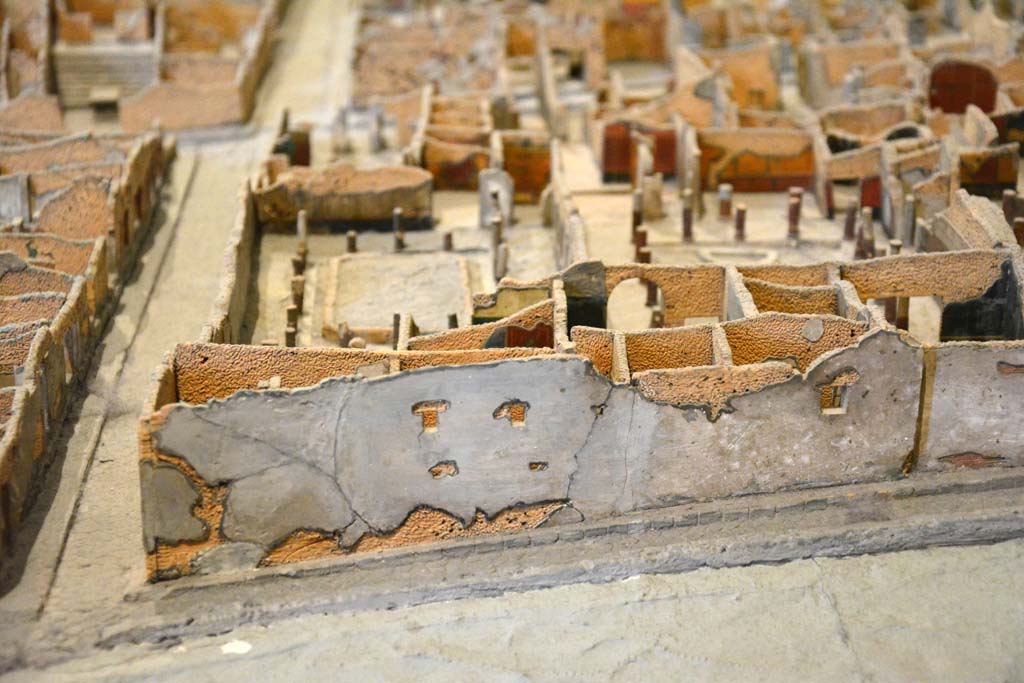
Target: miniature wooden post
point(652, 294)
point(850, 223)
point(638, 213)
point(794, 218)
point(453, 321)
point(910, 218)
point(644, 255)
point(302, 231)
point(902, 316)
point(396, 226)
point(351, 242)
point(657, 319)
point(448, 243)
point(688, 215)
point(1018, 230)
point(869, 232)
point(289, 336)
point(641, 239)
point(498, 225)
point(1009, 197)
point(298, 265)
point(298, 291)
point(292, 313)
point(396, 326)
point(725, 201)
point(741, 222)
point(501, 264)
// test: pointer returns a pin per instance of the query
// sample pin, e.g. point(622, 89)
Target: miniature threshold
point(554, 270)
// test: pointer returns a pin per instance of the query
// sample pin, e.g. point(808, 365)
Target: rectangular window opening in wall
point(428, 412)
point(514, 411)
point(835, 395)
point(833, 400)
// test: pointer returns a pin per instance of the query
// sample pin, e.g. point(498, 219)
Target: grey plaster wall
point(353, 454)
point(974, 405)
point(651, 455)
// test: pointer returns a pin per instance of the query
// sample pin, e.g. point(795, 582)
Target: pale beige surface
point(946, 614)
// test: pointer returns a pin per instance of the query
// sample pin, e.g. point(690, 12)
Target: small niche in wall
point(835, 394)
point(428, 412)
point(445, 468)
point(514, 410)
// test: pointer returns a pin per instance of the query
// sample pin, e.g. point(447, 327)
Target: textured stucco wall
point(352, 456)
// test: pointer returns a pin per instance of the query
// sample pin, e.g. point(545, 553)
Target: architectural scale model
point(542, 273)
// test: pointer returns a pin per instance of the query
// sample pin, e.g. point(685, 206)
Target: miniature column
point(652, 294)
point(850, 223)
point(351, 242)
point(396, 227)
point(447, 243)
point(725, 201)
point(638, 213)
point(396, 326)
point(453, 321)
point(869, 232)
point(298, 291)
point(910, 218)
point(644, 255)
point(302, 232)
point(1009, 200)
point(794, 218)
point(1018, 230)
point(641, 240)
point(741, 222)
point(688, 215)
point(292, 315)
point(902, 312)
point(289, 336)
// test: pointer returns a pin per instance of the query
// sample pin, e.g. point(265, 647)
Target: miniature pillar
point(351, 242)
point(289, 336)
point(688, 215)
point(298, 291)
point(910, 218)
point(657, 319)
point(298, 265)
point(644, 255)
point(498, 225)
point(869, 232)
point(292, 313)
point(741, 222)
point(302, 232)
point(501, 263)
point(396, 326)
point(652, 294)
point(725, 201)
point(1018, 230)
point(449, 245)
point(396, 226)
point(850, 223)
point(453, 321)
point(1009, 197)
point(638, 213)
point(902, 316)
point(641, 239)
point(794, 217)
